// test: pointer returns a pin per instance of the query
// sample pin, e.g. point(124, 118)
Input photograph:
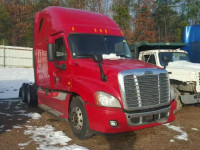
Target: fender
point(88, 86)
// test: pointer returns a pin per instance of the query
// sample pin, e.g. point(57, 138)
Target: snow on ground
point(194, 129)
point(48, 139)
point(33, 115)
point(171, 141)
point(183, 135)
point(11, 80)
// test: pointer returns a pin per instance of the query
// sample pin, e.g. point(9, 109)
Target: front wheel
point(79, 120)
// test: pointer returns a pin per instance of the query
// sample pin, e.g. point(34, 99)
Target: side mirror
point(166, 60)
point(98, 58)
point(50, 52)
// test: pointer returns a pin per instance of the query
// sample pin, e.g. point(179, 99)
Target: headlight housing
point(106, 100)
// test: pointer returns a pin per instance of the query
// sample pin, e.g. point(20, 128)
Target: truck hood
point(111, 68)
point(184, 71)
point(125, 64)
point(184, 65)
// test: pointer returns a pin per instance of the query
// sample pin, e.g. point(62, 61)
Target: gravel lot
point(16, 118)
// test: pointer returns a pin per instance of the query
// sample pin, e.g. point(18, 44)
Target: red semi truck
point(78, 79)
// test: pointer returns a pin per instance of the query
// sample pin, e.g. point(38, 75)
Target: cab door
point(60, 69)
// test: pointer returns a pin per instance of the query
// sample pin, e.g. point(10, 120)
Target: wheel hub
point(77, 118)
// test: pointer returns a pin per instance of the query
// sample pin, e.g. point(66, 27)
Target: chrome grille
point(142, 91)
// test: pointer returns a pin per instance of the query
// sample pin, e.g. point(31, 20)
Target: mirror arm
point(103, 76)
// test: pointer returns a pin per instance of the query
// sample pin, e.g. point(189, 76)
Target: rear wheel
point(23, 93)
point(79, 120)
point(31, 92)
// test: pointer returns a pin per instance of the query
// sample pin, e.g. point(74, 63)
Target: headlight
point(172, 93)
point(106, 100)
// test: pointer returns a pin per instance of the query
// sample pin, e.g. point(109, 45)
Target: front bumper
point(100, 117)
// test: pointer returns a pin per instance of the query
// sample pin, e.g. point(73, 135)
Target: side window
point(119, 48)
point(150, 59)
point(60, 50)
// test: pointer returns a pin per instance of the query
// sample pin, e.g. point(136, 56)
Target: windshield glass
point(173, 56)
point(87, 45)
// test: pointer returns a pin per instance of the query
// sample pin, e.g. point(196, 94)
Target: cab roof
point(136, 48)
point(164, 50)
point(150, 46)
point(60, 16)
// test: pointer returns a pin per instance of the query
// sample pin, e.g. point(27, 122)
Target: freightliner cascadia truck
point(84, 73)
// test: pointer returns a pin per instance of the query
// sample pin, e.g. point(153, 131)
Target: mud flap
point(190, 99)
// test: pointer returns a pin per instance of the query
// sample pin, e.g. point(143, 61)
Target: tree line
point(140, 20)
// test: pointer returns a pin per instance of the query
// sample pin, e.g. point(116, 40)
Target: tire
point(23, 92)
point(179, 104)
point(31, 91)
point(79, 120)
point(20, 92)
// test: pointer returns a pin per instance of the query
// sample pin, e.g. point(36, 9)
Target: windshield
point(87, 45)
point(173, 56)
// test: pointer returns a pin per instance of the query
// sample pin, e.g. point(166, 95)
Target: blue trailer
point(191, 36)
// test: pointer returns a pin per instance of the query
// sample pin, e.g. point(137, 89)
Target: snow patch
point(17, 126)
point(25, 144)
point(8, 115)
point(33, 115)
point(171, 141)
point(70, 147)
point(111, 56)
point(194, 129)
point(48, 139)
point(183, 135)
point(11, 80)
point(21, 111)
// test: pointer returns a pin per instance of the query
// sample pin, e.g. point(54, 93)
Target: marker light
point(106, 31)
point(100, 30)
point(73, 29)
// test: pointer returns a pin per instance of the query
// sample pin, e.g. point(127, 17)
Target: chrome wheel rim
point(77, 118)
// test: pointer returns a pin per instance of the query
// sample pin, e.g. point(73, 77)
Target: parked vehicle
point(191, 36)
point(84, 73)
point(184, 75)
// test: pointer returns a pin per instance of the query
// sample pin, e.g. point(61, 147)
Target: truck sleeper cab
point(84, 73)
